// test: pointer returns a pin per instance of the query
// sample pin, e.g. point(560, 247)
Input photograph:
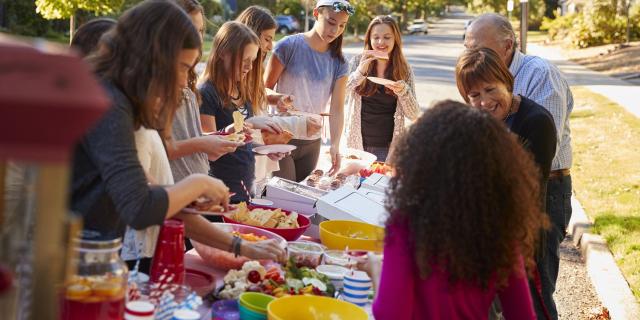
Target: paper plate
point(274, 148)
point(201, 282)
point(381, 81)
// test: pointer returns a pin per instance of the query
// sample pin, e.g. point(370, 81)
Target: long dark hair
point(335, 47)
point(140, 56)
point(397, 69)
point(258, 19)
point(468, 193)
point(88, 35)
point(231, 39)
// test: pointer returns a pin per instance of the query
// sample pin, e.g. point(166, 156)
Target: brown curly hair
point(468, 192)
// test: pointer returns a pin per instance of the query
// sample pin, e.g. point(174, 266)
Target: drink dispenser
point(48, 100)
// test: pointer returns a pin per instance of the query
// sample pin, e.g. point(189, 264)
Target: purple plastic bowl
point(225, 310)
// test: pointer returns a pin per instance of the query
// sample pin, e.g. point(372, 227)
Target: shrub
point(597, 24)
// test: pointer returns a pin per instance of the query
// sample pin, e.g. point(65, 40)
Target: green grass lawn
point(606, 175)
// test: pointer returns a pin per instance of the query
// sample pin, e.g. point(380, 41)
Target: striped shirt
point(542, 82)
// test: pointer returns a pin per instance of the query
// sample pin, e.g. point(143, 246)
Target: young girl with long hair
point(377, 112)
point(109, 186)
point(311, 67)
point(261, 21)
point(232, 82)
point(464, 220)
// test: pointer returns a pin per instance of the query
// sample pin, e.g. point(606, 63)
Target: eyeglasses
point(344, 7)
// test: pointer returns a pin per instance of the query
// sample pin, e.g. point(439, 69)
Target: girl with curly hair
point(464, 220)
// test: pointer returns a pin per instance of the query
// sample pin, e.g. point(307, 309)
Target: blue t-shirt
point(232, 167)
point(308, 75)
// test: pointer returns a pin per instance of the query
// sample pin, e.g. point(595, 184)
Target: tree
point(56, 9)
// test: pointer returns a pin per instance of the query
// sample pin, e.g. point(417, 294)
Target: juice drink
point(96, 289)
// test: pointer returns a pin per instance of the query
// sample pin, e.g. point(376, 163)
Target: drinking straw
point(246, 190)
point(166, 306)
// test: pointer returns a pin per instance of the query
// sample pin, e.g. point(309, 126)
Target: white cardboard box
point(376, 182)
point(293, 196)
point(347, 203)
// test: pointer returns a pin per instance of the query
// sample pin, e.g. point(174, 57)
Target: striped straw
point(245, 190)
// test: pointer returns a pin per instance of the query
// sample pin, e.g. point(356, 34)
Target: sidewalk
point(619, 91)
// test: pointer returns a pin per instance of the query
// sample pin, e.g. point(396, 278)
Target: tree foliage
point(598, 23)
point(64, 9)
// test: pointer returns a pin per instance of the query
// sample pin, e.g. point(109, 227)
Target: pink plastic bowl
point(225, 260)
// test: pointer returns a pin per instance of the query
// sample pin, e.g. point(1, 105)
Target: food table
point(348, 225)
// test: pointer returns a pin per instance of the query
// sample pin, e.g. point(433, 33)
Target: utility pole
point(524, 24)
point(306, 15)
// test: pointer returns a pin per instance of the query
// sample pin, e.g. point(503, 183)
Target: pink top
point(403, 295)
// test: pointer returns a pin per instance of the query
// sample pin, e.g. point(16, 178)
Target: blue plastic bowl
point(246, 314)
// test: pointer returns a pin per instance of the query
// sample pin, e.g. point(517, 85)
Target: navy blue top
point(232, 167)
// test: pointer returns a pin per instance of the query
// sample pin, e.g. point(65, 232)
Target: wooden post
point(50, 238)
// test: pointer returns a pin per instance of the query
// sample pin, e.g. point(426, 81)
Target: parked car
point(418, 26)
point(287, 24)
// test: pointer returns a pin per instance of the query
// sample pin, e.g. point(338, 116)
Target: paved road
point(433, 58)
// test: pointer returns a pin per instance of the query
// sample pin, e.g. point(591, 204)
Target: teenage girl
point(311, 67)
point(377, 112)
point(232, 82)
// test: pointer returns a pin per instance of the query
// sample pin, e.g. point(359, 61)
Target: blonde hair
point(231, 40)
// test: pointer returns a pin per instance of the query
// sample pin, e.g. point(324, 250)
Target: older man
point(542, 82)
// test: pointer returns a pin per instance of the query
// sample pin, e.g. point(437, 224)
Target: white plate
point(274, 148)
point(262, 202)
point(381, 81)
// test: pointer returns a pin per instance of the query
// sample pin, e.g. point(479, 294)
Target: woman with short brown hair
point(484, 82)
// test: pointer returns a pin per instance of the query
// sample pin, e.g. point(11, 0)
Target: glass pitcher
point(96, 290)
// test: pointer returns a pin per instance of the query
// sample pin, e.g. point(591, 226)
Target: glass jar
point(96, 287)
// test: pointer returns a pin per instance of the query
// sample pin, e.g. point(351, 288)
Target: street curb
point(607, 279)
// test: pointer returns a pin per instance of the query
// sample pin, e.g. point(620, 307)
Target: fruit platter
point(275, 280)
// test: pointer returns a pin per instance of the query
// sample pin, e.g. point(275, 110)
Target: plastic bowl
point(255, 301)
point(290, 234)
point(340, 234)
point(248, 314)
point(305, 253)
point(224, 260)
point(314, 307)
point(225, 310)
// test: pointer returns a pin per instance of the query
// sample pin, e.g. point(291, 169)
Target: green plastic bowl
point(246, 314)
point(255, 301)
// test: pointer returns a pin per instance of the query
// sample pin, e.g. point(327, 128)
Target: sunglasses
point(344, 7)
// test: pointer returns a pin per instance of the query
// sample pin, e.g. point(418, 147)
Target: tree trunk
point(72, 26)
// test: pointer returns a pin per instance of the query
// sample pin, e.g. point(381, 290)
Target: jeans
point(559, 211)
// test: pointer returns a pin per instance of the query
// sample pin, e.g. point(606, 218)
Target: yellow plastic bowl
point(338, 234)
point(314, 307)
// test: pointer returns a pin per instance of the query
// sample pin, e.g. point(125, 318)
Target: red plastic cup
point(169, 253)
